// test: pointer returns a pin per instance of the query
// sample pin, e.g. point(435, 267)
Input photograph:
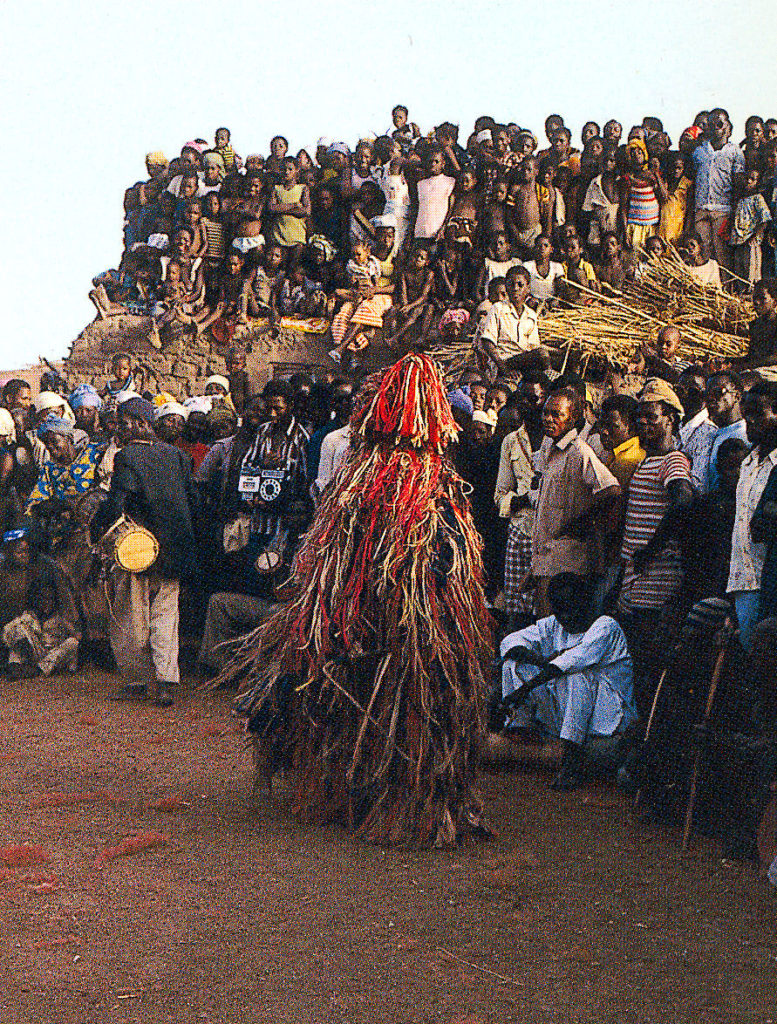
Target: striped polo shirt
point(646, 507)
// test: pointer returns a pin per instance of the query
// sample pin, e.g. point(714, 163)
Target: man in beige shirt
point(575, 487)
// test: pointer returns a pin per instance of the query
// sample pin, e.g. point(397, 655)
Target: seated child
point(126, 290)
point(544, 272)
point(231, 304)
point(295, 292)
point(706, 271)
point(496, 291)
point(172, 304)
point(613, 270)
point(363, 272)
point(363, 266)
point(122, 378)
point(40, 640)
point(448, 278)
point(655, 248)
point(264, 283)
point(191, 217)
point(412, 297)
point(497, 262)
point(578, 271)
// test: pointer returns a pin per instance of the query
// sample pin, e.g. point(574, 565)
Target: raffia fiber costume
point(369, 684)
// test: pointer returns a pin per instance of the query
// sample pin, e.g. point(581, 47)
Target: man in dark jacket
point(151, 485)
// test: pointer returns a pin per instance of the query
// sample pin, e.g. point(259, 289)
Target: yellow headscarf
point(156, 159)
point(637, 144)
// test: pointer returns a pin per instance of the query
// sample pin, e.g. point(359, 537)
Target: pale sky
point(88, 89)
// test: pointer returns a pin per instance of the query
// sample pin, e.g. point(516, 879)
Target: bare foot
point(96, 303)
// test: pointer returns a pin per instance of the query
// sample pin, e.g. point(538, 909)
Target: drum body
point(131, 546)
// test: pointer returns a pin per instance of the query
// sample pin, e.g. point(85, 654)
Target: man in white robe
point(569, 675)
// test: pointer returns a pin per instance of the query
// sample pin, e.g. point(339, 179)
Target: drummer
point(151, 485)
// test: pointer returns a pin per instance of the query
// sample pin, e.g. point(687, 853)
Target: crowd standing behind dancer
point(629, 495)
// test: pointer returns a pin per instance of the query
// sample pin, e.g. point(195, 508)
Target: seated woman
point(322, 269)
point(568, 676)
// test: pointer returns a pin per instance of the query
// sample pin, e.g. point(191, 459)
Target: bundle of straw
point(369, 684)
point(712, 324)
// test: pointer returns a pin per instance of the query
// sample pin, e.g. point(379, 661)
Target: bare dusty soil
point(239, 914)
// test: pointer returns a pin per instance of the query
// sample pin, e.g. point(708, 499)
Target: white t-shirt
point(433, 196)
point(542, 287)
point(708, 273)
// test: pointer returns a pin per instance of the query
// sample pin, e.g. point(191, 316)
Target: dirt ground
point(575, 913)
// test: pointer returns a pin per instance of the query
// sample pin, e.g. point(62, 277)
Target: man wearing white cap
point(169, 421)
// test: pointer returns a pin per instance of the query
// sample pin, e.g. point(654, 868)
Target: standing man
point(697, 430)
point(660, 494)
point(747, 556)
point(152, 485)
point(722, 397)
point(574, 488)
point(716, 161)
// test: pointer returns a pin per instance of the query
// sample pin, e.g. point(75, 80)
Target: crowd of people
point(627, 520)
point(407, 228)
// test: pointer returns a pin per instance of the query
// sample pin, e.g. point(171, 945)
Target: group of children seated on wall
point(407, 227)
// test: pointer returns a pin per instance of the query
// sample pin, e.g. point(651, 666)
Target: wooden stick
point(620, 305)
point(716, 673)
point(649, 726)
point(477, 967)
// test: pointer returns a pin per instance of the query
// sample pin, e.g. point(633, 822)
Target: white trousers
point(144, 626)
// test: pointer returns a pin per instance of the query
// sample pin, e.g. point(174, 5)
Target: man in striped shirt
point(660, 493)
